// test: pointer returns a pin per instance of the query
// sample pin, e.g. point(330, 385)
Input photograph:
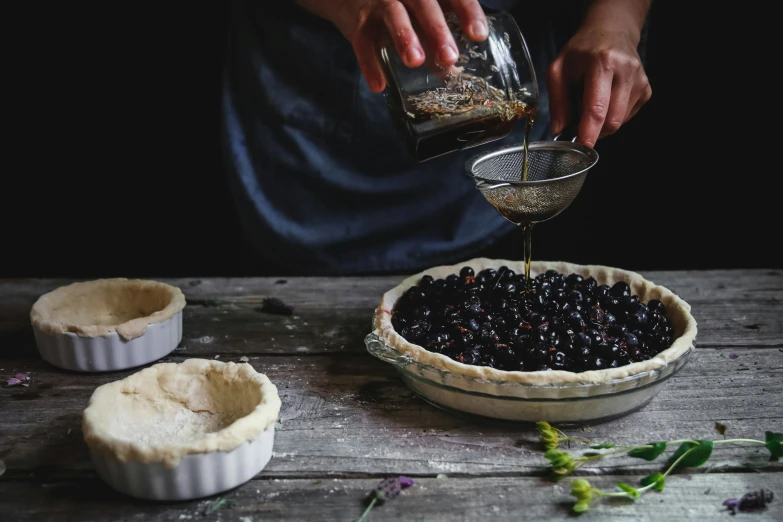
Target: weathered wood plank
point(241, 329)
point(696, 496)
point(351, 414)
point(365, 291)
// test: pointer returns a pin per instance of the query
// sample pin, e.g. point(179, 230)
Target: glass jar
point(477, 100)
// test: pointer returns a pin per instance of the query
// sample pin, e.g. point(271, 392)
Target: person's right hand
point(361, 21)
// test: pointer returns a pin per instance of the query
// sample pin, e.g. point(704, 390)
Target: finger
point(405, 40)
point(622, 92)
point(559, 105)
point(436, 33)
point(364, 48)
point(643, 99)
point(595, 104)
point(471, 18)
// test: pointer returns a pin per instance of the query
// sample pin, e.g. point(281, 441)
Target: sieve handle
point(571, 129)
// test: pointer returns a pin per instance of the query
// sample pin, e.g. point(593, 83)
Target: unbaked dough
point(170, 410)
point(677, 311)
point(103, 306)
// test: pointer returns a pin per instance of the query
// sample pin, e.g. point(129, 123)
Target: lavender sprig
point(751, 501)
point(387, 489)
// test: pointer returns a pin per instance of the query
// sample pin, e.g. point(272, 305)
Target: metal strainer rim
point(476, 159)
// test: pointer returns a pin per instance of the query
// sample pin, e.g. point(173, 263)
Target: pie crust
point(103, 306)
point(169, 410)
point(677, 311)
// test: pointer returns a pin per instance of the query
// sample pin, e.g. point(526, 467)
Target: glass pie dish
point(553, 396)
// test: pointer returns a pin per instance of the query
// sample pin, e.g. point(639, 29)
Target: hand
point(615, 84)
point(360, 21)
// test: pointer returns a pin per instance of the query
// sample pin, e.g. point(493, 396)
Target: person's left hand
point(615, 84)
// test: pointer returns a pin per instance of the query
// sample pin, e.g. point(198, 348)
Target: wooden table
point(348, 421)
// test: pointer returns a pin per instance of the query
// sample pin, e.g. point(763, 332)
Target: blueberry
point(620, 289)
point(466, 272)
point(582, 339)
point(631, 340)
point(655, 305)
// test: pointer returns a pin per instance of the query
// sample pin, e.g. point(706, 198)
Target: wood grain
point(348, 420)
point(697, 497)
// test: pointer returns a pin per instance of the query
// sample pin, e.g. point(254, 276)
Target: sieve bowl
point(556, 171)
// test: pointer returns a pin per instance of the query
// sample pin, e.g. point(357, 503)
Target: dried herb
point(273, 305)
point(20, 379)
point(218, 503)
point(751, 501)
point(387, 489)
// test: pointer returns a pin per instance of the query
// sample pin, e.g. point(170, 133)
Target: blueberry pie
point(577, 323)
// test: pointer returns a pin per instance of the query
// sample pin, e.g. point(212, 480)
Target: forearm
point(617, 15)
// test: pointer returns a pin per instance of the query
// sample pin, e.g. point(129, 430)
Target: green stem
point(674, 464)
point(739, 440)
point(615, 494)
point(367, 511)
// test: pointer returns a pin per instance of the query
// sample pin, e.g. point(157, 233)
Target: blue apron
point(322, 182)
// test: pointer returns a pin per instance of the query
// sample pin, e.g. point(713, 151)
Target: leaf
point(656, 478)
point(773, 443)
point(651, 451)
point(702, 449)
point(720, 428)
point(581, 506)
point(219, 503)
point(605, 445)
point(632, 491)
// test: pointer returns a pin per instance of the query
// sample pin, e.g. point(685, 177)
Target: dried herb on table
point(20, 379)
point(387, 489)
point(751, 501)
point(273, 305)
point(689, 454)
point(218, 503)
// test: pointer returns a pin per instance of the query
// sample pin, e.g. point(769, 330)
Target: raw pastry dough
point(170, 410)
point(100, 307)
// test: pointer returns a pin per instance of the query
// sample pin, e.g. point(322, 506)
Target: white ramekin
point(81, 353)
point(195, 476)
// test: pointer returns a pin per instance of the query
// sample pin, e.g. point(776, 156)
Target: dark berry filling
point(564, 323)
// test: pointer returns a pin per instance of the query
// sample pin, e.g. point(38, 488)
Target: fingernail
point(448, 54)
point(479, 29)
point(414, 55)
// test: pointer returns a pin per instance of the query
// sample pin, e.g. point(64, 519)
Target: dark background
point(114, 166)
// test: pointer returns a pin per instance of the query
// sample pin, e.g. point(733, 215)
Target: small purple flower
point(18, 379)
point(750, 501)
point(733, 355)
point(405, 482)
point(732, 504)
point(387, 489)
